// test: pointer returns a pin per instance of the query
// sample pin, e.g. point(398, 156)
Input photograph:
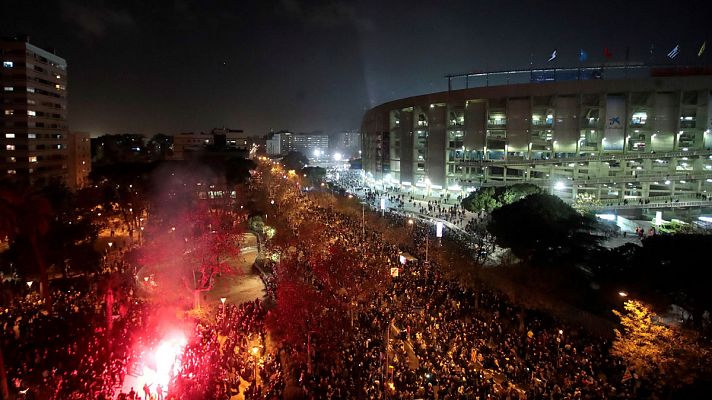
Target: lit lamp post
point(558, 347)
point(29, 285)
point(255, 351)
point(222, 300)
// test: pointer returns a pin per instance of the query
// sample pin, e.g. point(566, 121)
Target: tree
point(294, 160)
point(517, 192)
point(489, 198)
point(586, 203)
point(27, 215)
point(159, 147)
point(315, 175)
point(661, 355)
point(541, 228)
point(671, 264)
point(481, 200)
point(237, 169)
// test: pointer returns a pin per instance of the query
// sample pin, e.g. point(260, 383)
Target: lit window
point(31, 113)
point(32, 159)
point(8, 88)
point(59, 146)
point(30, 90)
point(32, 136)
point(11, 159)
point(8, 64)
point(9, 112)
point(11, 172)
point(58, 76)
point(639, 118)
point(9, 136)
point(10, 147)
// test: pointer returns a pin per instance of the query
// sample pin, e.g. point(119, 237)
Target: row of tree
point(490, 198)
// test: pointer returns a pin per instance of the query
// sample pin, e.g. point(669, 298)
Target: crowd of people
point(418, 334)
point(227, 357)
point(44, 361)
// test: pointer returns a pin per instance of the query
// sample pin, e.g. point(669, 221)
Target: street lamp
point(29, 284)
point(222, 300)
point(622, 294)
point(255, 350)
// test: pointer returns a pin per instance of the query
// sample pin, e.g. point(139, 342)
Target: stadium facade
point(644, 135)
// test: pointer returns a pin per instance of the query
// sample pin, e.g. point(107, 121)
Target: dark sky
point(185, 65)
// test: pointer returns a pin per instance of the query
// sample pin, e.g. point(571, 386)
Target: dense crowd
point(44, 361)
point(421, 335)
point(223, 356)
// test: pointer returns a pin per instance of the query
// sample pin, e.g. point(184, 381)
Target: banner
point(615, 123)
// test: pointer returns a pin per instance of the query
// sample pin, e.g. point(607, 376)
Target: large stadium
point(618, 135)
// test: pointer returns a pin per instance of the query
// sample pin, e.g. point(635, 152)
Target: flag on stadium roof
point(583, 56)
point(553, 56)
point(702, 49)
point(674, 52)
point(607, 53)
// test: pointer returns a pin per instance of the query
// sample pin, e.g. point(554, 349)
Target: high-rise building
point(79, 159)
point(33, 118)
point(346, 143)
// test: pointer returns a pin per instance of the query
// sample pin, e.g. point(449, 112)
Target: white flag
point(674, 52)
point(553, 56)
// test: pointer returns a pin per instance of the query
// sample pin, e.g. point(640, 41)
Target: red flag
point(607, 53)
point(627, 376)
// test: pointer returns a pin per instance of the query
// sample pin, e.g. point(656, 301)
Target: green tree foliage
point(542, 229)
point(294, 160)
point(585, 203)
point(489, 198)
point(256, 224)
point(517, 192)
point(481, 200)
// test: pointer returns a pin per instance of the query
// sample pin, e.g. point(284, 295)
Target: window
point(11, 172)
point(32, 158)
point(30, 90)
point(639, 118)
point(9, 112)
point(9, 136)
point(8, 88)
point(11, 159)
point(8, 64)
point(31, 113)
point(10, 147)
point(32, 136)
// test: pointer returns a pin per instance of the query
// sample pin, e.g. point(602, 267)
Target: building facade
point(613, 139)
point(79, 159)
point(34, 143)
point(219, 138)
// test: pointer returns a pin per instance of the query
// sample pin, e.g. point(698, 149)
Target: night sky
point(178, 66)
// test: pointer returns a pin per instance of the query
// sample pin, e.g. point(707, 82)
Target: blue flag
point(583, 56)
